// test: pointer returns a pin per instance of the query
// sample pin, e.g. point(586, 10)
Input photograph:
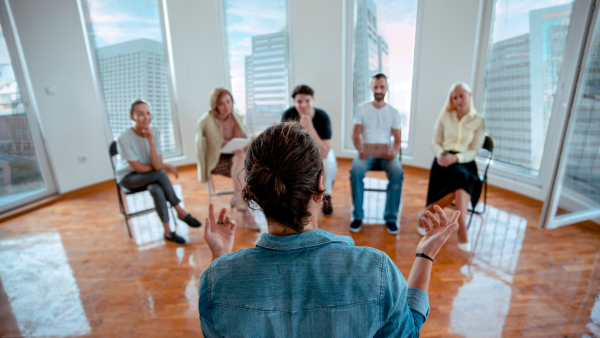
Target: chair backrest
point(488, 144)
point(112, 152)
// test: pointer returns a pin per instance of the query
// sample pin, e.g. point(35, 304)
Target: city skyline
point(521, 76)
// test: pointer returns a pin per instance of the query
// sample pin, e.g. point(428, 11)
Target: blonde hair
point(449, 106)
point(215, 97)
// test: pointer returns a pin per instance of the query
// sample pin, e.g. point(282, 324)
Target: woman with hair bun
point(215, 129)
point(300, 281)
point(459, 134)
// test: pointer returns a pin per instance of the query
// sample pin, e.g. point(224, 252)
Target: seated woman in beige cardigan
point(216, 127)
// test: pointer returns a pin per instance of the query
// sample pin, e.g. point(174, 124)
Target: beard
point(379, 97)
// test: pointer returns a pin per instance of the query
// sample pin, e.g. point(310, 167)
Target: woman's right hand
point(218, 233)
point(437, 232)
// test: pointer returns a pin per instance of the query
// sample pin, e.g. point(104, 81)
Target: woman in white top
point(459, 134)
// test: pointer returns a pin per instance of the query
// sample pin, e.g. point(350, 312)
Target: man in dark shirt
point(316, 122)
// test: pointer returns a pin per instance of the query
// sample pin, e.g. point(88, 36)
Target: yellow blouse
point(464, 137)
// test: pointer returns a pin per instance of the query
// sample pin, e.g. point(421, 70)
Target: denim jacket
point(314, 284)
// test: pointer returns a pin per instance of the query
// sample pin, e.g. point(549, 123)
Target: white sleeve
point(358, 116)
point(397, 124)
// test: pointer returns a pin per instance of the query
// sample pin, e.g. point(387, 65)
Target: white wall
point(200, 63)
point(55, 52)
point(317, 52)
point(448, 36)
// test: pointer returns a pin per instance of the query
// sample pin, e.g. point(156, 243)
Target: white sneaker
point(466, 247)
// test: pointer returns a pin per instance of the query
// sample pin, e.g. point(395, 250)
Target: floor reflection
point(40, 286)
point(147, 230)
point(497, 238)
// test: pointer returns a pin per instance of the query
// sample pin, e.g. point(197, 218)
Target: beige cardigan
point(209, 132)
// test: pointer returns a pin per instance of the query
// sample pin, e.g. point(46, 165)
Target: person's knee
point(395, 172)
point(155, 189)
point(358, 168)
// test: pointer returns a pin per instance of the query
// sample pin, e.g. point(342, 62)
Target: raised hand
point(218, 233)
point(149, 134)
point(437, 232)
point(305, 122)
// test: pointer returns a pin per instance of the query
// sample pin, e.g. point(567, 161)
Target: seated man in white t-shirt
point(374, 124)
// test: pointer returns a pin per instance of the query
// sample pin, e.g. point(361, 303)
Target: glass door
point(25, 175)
point(575, 191)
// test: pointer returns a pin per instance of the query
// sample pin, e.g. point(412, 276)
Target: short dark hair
point(135, 103)
point(379, 76)
point(283, 167)
point(303, 89)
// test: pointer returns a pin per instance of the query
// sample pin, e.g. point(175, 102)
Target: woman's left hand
point(172, 169)
point(218, 233)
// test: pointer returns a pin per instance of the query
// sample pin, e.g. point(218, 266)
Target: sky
point(243, 20)
point(512, 16)
point(115, 21)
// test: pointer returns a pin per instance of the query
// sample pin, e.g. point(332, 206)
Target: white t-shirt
point(132, 147)
point(377, 124)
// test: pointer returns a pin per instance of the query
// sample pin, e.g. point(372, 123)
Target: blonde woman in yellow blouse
point(459, 134)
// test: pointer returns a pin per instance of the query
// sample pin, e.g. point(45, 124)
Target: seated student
point(316, 122)
point(140, 165)
point(300, 281)
point(374, 124)
point(218, 126)
point(459, 134)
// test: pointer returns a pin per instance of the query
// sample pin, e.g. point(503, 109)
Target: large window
point(23, 166)
point(384, 42)
point(132, 62)
point(524, 58)
point(257, 41)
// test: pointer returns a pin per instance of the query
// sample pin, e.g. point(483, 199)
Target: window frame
point(15, 51)
point(548, 218)
point(537, 186)
point(180, 152)
point(348, 90)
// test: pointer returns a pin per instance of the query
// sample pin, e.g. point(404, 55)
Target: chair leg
point(174, 217)
point(128, 229)
point(470, 220)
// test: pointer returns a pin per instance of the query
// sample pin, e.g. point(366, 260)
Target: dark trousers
point(159, 186)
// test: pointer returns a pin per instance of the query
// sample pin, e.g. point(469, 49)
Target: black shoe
point(392, 228)
point(355, 225)
point(191, 221)
point(173, 237)
point(327, 206)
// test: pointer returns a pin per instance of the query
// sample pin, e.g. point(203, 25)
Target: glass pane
point(20, 173)
point(581, 174)
point(132, 62)
point(524, 58)
point(384, 42)
point(258, 55)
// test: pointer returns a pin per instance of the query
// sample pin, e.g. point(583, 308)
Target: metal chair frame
point(212, 191)
point(488, 145)
point(113, 151)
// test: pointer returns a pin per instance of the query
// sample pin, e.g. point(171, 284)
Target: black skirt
point(446, 180)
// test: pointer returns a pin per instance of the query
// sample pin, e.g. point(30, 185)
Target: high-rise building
point(548, 29)
point(520, 82)
point(131, 70)
point(384, 55)
point(266, 81)
point(506, 100)
point(367, 48)
point(582, 172)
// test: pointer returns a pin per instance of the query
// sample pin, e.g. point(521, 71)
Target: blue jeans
point(395, 174)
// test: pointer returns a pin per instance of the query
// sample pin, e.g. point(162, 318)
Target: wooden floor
point(69, 269)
